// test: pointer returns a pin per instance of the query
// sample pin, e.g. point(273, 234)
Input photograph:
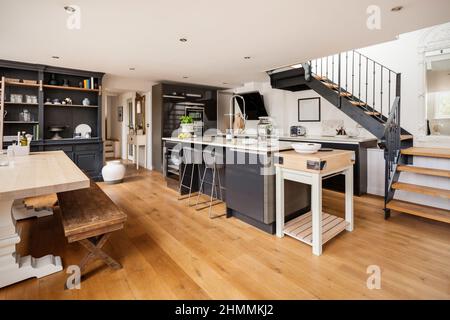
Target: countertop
point(237, 143)
point(329, 139)
point(340, 139)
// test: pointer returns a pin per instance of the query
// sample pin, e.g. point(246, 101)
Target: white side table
point(138, 140)
point(315, 227)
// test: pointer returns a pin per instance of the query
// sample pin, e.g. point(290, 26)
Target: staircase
point(369, 93)
point(109, 149)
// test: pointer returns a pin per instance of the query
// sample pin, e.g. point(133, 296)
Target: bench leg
point(94, 246)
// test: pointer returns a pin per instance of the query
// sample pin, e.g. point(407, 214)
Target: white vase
point(113, 172)
point(187, 127)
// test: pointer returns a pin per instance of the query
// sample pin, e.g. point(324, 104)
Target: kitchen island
point(248, 175)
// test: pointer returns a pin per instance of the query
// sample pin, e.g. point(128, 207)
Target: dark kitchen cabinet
point(86, 154)
point(169, 101)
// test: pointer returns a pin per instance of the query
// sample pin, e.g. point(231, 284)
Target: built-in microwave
point(197, 113)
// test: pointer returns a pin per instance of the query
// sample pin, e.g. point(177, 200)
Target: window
point(442, 105)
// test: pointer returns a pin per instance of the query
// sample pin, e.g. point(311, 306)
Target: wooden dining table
point(36, 174)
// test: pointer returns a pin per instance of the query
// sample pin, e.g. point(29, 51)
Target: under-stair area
point(370, 94)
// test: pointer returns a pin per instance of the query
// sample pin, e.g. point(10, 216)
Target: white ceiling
point(118, 34)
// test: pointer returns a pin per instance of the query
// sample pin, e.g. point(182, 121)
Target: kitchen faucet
point(231, 114)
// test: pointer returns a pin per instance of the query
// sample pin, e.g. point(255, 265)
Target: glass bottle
point(264, 128)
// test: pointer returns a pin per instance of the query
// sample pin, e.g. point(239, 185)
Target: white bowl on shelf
point(305, 147)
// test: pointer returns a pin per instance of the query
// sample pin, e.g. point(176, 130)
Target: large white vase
point(113, 172)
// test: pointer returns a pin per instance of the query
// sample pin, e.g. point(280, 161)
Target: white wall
point(282, 107)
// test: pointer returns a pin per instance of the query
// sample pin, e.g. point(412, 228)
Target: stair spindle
point(353, 72)
point(332, 69)
point(373, 91)
point(359, 77)
point(389, 95)
point(346, 69)
point(381, 92)
point(367, 77)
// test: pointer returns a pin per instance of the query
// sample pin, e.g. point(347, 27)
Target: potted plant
point(186, 124)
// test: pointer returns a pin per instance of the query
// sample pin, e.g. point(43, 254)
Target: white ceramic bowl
point(305, 147)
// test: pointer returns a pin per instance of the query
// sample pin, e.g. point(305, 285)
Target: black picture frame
point(120, 113)
point(309, 101)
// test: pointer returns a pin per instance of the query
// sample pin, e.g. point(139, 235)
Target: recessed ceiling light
point(55, 57)
point(70, 9)
point(132, 68)
point(183, 40)
point(224, 82)
point(185, 77)
point(397, 8)
point(247, 58)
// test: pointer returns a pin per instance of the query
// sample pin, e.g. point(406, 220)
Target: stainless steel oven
point(197, 112)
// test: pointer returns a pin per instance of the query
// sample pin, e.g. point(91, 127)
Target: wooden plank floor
point(170, 251)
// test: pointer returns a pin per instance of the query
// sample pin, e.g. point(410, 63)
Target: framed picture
point(309, 110)
point(120, 113)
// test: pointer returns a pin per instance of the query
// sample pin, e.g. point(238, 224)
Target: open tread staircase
point(424, 171)
point(369, 93)
point(420, 210)
point(435, 192)
point(427, 152)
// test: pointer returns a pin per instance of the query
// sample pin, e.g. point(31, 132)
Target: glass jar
point(264, 128)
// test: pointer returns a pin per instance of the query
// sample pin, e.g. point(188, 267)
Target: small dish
point(306, 147)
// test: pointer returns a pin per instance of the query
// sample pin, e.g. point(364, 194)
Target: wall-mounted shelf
point(21, 122)
point(21, 103)
point(68, 105)
point(21, 84)
point(49, 86)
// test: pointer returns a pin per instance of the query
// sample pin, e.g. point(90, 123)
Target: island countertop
point(237, 143)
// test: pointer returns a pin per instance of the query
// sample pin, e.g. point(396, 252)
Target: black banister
point(381, 91)
point(392, 145)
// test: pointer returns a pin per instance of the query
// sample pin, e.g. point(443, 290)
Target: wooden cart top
point(320, 162)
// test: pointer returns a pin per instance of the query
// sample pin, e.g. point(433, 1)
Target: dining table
point(33, 175)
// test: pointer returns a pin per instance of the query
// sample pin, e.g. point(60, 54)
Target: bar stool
point(213, 161)
point(190, 156)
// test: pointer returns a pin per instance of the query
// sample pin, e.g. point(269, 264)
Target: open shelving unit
point(48, 83)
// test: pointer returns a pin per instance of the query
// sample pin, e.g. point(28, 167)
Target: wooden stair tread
point(358, 103)
point(428, 152)
point(331, 85)
point(345, 94)
point(421, 189)
point(426, 171)
point(406, 137)
point(372, 113)
point(320, 78)
point(420, 210)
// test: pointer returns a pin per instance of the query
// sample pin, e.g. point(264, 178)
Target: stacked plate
point(306, 147)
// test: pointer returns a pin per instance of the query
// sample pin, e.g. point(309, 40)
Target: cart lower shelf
point(300, 228)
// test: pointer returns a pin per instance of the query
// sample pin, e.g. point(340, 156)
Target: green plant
point(186, 120)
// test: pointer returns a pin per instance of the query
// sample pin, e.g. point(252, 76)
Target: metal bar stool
point(213, 161)
point(190, 156)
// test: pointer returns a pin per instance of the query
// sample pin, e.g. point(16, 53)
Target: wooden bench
point(89, 217)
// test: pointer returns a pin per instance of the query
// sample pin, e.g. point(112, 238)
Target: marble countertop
point(341, 139)
point(237, 143)
point(344, 139)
